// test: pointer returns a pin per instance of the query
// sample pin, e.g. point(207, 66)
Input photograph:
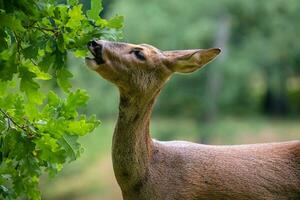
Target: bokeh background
point(251, 93)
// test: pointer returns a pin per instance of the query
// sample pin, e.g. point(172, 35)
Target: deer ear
point(186, 61)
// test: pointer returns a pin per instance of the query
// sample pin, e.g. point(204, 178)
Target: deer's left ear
point(186, 61)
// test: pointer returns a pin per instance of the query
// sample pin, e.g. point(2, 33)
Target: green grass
point(91, 176)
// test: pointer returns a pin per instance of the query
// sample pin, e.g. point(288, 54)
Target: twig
point(18, 45)
point(11, 119)
point(26, 130)
point(33, 62)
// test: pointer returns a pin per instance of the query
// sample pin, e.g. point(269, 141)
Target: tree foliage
point(39, 130)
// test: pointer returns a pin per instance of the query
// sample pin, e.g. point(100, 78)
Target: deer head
point(143, 69)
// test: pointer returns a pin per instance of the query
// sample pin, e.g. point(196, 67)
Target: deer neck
point(132, 145)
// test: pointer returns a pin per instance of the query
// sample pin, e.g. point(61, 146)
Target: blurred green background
point(251, 93)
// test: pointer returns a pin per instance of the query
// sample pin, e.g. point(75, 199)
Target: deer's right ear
point(187, 61)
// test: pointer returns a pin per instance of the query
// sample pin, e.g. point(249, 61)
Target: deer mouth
point(97, 52)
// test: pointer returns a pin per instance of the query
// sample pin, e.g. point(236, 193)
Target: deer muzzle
point(96, 49)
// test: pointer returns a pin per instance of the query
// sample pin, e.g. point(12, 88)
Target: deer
point(148, 169)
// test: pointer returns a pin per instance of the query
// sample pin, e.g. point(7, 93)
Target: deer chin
point(91, 63)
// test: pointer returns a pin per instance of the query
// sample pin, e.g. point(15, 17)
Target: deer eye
point(139, 54)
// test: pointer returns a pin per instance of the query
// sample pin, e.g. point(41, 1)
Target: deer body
point(191, 171)
point(147, 169)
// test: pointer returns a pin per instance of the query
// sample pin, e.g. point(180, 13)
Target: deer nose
point(93, 43)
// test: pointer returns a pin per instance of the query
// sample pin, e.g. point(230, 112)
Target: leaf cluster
point(39, 130)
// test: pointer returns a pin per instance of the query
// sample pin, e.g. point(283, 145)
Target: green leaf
point(73, 102)
point(32, 113)
point(3, 42)
point(80, 53)
point(116, 22)
point(73, 2)
point(30, 51)
point(46, 62)
point(61, 44)
point(75, 17)
point(8, 63)
point(11, 21)
point(47, 142)
point(60, 59)
point(4, 86)
point(63, 77)
point(77, 99)
point(36, 70)
point(31, 88)
point(81, 127)
point(96, 8)
point(53, 99)
point(49, 149)
point(71, 146)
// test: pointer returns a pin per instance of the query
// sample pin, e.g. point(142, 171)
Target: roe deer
point(147, 169)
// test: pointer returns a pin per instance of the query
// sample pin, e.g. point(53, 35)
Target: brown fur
point(147, 169)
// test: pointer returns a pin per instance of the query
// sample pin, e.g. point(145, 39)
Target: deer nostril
point(92, 43)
